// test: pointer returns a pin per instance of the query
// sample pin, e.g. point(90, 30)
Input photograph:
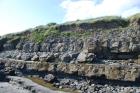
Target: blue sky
point(18, 15)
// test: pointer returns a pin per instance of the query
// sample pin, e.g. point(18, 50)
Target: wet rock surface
point(23, 85)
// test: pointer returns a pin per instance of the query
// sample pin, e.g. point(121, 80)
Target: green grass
point(52, 31)
point(134, 21)
point(37, 37)
point(136, 16)
point(40, 33)
point(106, 19)
point(49, 85)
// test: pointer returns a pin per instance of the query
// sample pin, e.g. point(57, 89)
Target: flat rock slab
point(5, 87)
point(14, 87)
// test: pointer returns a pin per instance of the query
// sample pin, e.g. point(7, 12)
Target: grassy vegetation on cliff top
point(134, 17)
point(104, 19)
point(38, 34)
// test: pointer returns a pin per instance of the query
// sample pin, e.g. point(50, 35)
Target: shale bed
point(78, 78)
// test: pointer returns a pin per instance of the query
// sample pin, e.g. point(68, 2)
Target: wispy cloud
point(82, 9)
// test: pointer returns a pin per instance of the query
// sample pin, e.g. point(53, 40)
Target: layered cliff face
point(117, 71)
point(101, 41)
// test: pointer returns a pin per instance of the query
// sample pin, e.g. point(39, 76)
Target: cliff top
point(77, 28)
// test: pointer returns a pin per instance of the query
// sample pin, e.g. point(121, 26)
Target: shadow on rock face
point(2, 76)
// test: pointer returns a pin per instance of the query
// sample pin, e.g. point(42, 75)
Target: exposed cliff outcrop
point(121, 43)
point(107, 47)
point(119, 71)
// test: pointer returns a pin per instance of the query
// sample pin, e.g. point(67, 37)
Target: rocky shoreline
point(22, 85)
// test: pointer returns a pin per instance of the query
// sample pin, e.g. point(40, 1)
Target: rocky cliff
point(106, 47)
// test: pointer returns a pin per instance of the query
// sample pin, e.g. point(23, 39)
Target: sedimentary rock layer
point(108, 71)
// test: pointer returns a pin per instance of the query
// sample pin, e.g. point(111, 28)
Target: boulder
point(74, 55)
point(56, 85)
point(135, 47)
point(51, 57)
point(66, 58)
point(91, 57)
point(43, 57)
point(8, 56)
point(28, 47)
point(44, 47)
point(26, 56)
point(114, 47)
point(9, 71)
point(124, 46)
point(65, 82)
point(36, 48)
point(47, 57)
point(84, 56)
point(35, 58)
point(18, 56)
point(19, 46)
point(49, 78)
point(59, 47)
